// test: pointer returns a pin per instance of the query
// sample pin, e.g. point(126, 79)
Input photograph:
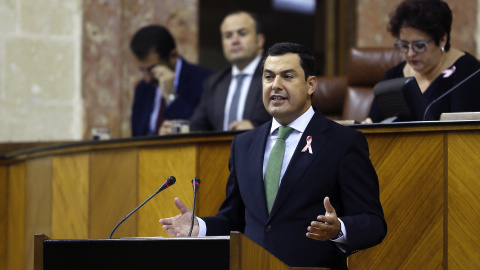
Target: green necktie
point(274, 166)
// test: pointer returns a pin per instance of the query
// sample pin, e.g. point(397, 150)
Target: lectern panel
point(141, 253)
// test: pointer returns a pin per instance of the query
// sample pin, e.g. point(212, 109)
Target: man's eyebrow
point(236, 30)
point(290, 70)
point(267, 71)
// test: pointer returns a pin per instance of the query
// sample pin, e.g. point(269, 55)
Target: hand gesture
point(241, 125)
point(327, 226)
point(165, 77)
point(165, 128)
point(179, 225)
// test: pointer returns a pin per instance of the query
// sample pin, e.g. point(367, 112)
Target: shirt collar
point(249, 70)
point(299, 124)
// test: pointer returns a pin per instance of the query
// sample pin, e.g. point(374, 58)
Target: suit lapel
point(257, 152)
point(184, 79)
point(301, 160)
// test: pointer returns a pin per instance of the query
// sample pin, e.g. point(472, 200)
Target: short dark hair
point(431, 16)
point(154, 37)
point(307, 60)
point(254, 16)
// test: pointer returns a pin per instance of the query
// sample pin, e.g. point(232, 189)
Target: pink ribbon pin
point(309, 145)
point(448, 72)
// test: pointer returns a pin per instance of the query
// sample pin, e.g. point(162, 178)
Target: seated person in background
point(232, 98)
point(171, 87)
point(308, 208)
point(423, 32)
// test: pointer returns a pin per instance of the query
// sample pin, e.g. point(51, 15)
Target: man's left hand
point(327, 226)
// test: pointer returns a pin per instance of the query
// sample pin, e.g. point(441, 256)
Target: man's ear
point(260, 40)
point(312, 84)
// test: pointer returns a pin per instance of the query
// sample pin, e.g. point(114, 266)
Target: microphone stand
point(196, 185)
point(170, 181)
point(448, 92)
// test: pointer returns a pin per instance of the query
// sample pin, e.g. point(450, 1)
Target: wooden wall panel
point(463, 200)
point(16, 217)
point(3, 213)
point(70, 197)
point(156, 165)
point(213, 172)
point(428, 179)
point(38, 203)
point(113, 192)
point(410, 171)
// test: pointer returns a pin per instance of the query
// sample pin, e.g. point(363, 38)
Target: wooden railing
point(428, 173)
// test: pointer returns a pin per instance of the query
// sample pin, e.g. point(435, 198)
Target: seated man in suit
point(231, 98)
point(301, 186)
point(171, 88)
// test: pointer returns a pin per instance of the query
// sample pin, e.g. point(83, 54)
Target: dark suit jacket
point(189, 90)
point(339, 168)
point(209, 114)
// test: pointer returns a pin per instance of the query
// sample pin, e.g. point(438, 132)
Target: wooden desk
point(428, 175)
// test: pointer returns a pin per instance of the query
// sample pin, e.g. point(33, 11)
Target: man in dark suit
point(219, 108)
point(171, 87)
point(276, 198)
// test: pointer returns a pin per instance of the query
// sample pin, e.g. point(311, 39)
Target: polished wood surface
point(11, 147)
point(113, 188)
point(38, 247)
point(463, 201)
point(428, 175)
point(70, 182)
point(156, 165)
point(411, 177)
point(16, 208)
point(38, 203)
point(245, 254)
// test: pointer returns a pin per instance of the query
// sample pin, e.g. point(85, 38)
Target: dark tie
point(232, 115)
point(274, 166)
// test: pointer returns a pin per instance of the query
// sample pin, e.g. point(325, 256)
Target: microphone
point(448, 92)
point(196, 185)
point(170, 181)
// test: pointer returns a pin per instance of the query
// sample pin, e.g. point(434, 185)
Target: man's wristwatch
point(172, 97)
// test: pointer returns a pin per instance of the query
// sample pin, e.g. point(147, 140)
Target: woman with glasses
point(422, 29)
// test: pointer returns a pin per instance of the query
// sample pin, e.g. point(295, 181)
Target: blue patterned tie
point(274, 166)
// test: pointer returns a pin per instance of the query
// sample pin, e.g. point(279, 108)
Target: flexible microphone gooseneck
point(196, 185)
point(448, 92)
point(170, 181)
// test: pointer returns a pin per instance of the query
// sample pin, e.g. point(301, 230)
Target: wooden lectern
point(233, 252)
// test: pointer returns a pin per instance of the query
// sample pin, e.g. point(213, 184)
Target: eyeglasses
point(417, 46)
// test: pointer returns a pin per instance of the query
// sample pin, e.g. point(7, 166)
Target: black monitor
point(400, 100)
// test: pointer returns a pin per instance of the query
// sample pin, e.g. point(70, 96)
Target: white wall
point(40, 70)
